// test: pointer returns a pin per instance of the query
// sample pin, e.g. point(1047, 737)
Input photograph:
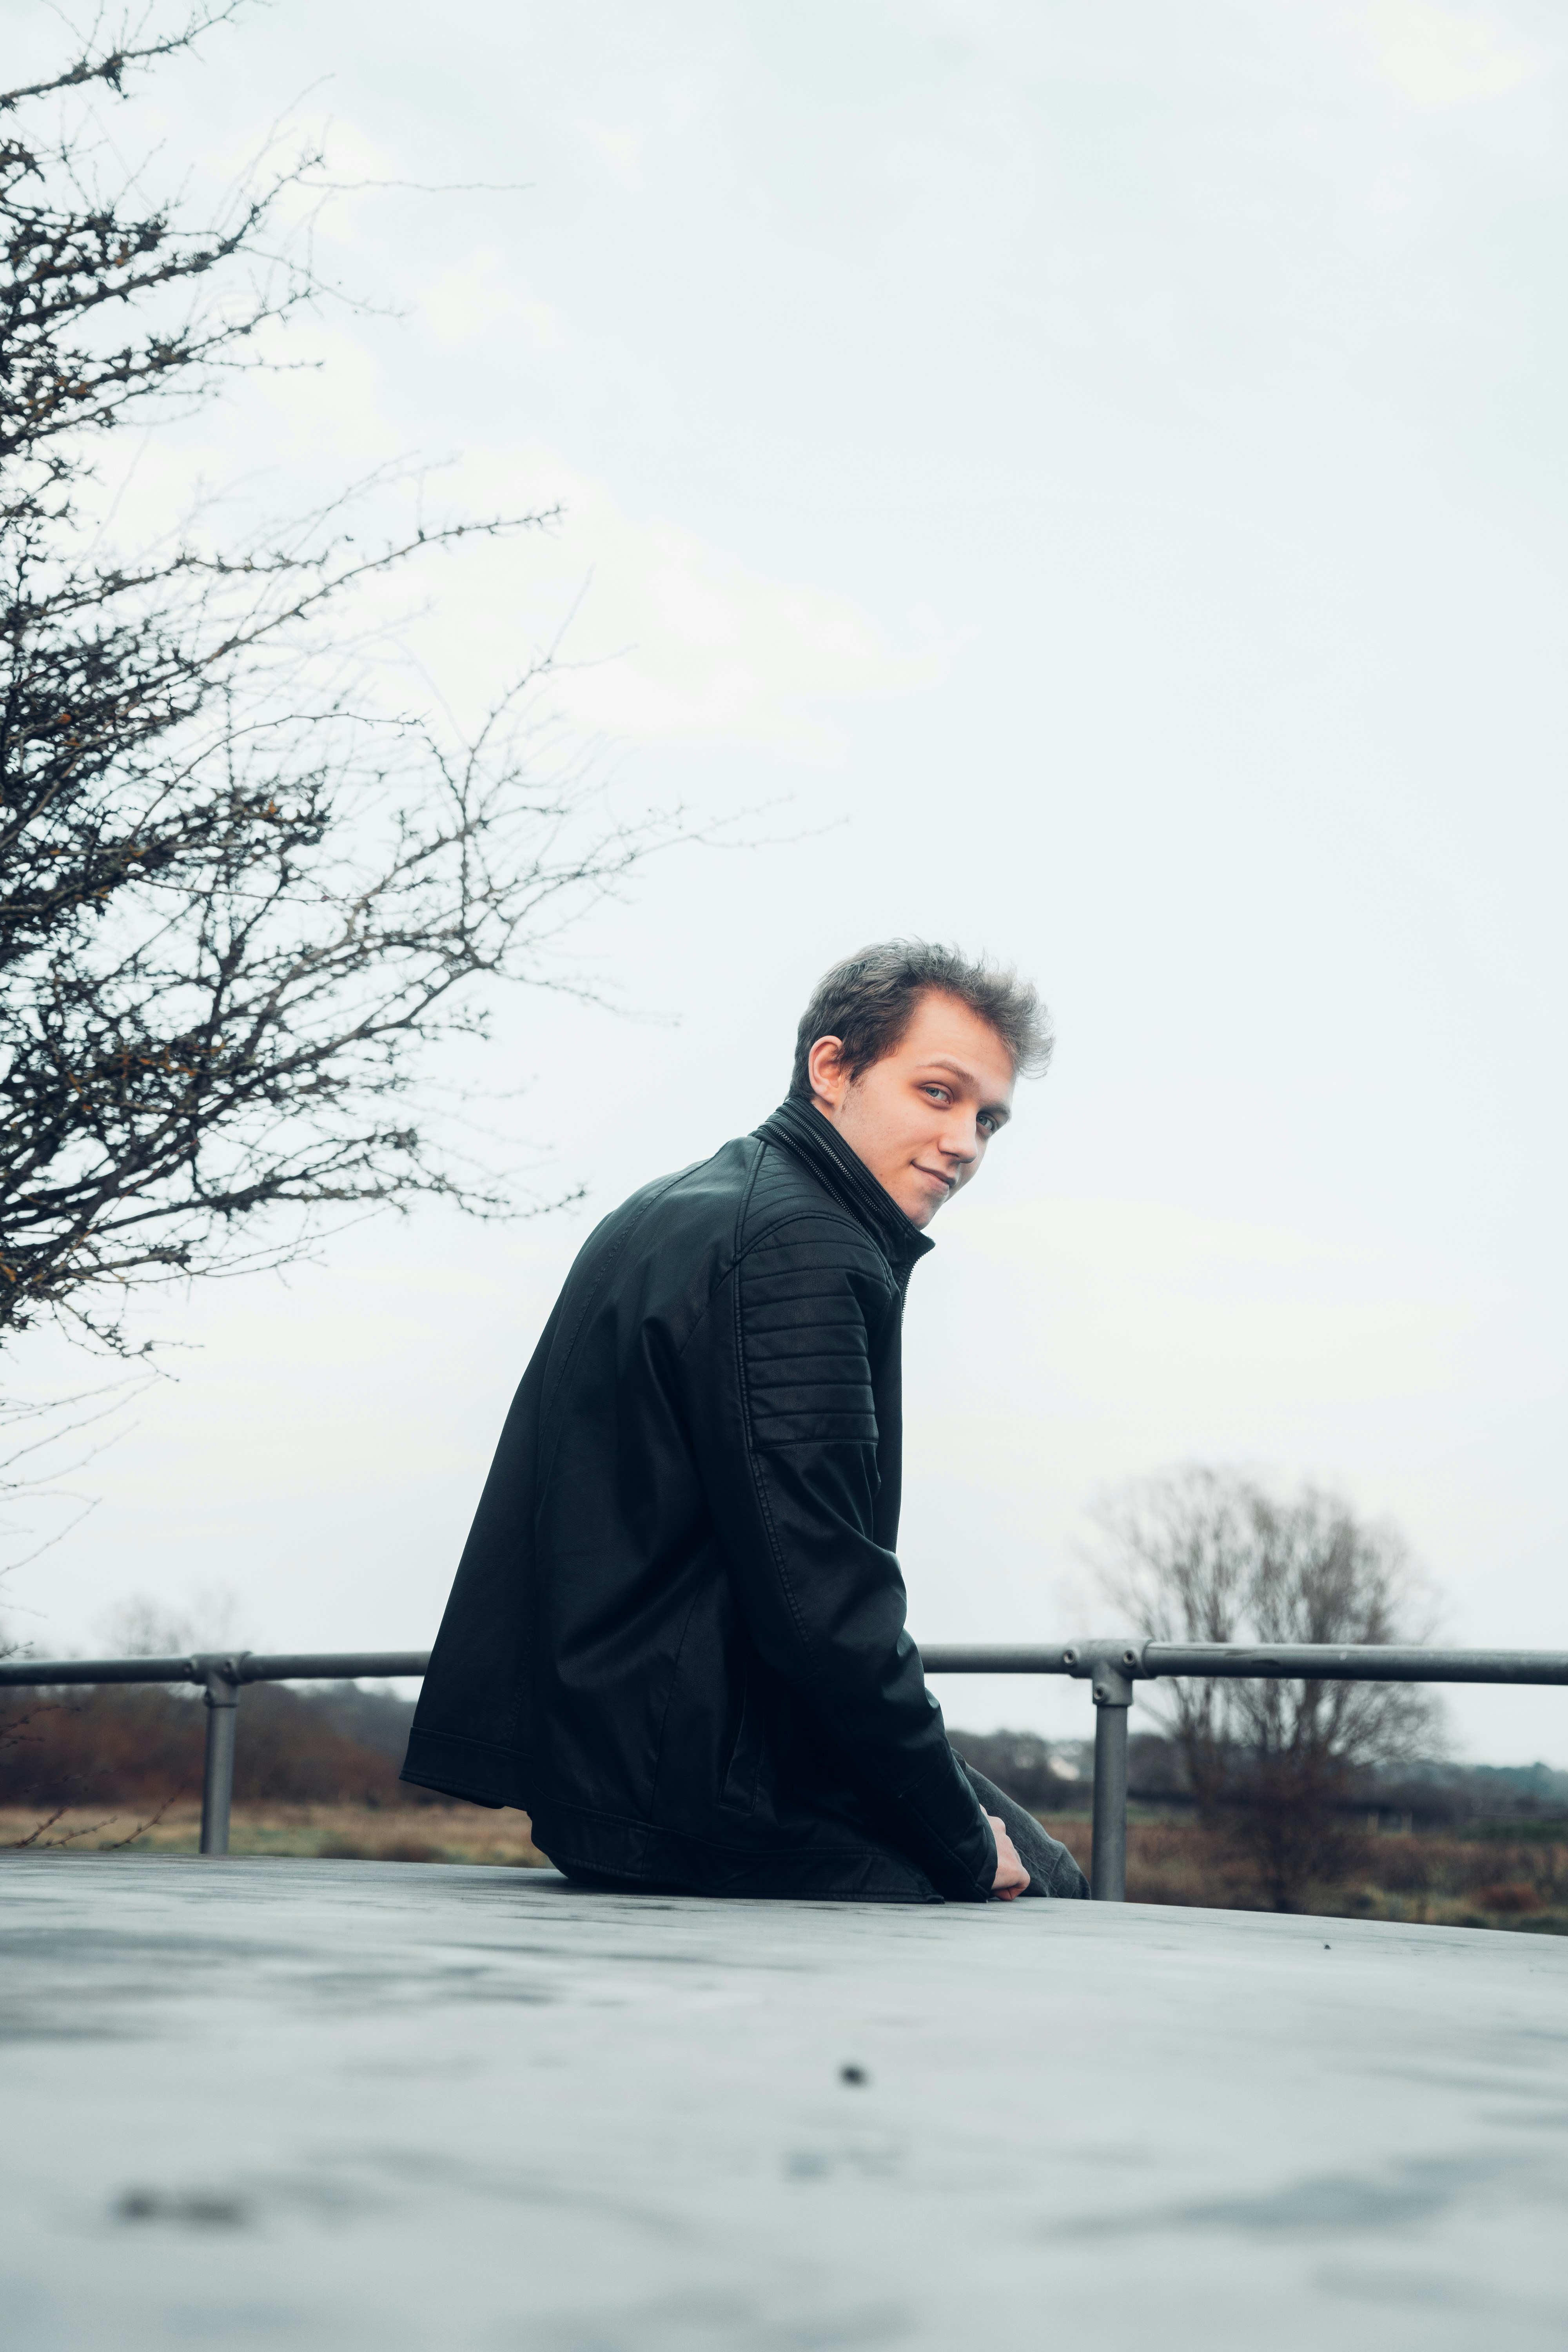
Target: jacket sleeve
point(779, 1395)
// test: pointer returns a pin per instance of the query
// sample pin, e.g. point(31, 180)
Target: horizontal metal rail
point(1111, 1668)
point(1288, 1662)
point(240, 1666)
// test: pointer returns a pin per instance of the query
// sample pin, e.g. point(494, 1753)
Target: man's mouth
point(936, 1176)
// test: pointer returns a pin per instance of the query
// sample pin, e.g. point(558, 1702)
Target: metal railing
point(225, 1675)
point(1111, 1668)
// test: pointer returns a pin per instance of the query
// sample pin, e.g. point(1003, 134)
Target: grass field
point(1517, 1881)
point(1492, 1880)
point(341, 1833)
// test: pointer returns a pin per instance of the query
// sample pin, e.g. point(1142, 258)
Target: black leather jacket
point(677, 1634)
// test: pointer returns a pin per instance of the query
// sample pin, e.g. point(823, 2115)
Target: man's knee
point(1054, 1872)
point(1070, 1885)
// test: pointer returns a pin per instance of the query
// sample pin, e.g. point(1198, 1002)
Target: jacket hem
point(576, 1837)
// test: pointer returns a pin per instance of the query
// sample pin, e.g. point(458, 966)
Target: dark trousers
point(1051, 1868)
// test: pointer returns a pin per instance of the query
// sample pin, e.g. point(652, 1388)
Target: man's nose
point(960, 1142)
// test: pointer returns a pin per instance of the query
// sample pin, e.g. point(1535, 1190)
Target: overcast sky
point(1101, 467)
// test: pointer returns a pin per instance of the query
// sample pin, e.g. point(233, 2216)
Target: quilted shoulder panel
point(811, 1297)
point(782, 1187)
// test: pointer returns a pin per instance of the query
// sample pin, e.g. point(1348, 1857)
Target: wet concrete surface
point(343, 2104)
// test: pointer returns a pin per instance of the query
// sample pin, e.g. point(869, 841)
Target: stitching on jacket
point(701, 1317)
point(827, 1207)
point(806, 1159)
point(745, 1202)
point(607, 1262)
point(732, 1269)
point(668, 1695)
point(750, 1712)
point(799, 1216)
point(805, 1329)
point(764, 1513)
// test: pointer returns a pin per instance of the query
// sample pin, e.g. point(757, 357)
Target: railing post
point(222, 1679)
point(1107, 1861)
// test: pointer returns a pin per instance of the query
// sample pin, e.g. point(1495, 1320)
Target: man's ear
point(825, 1067)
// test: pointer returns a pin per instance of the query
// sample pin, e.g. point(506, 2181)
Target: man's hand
point(1010, 1876)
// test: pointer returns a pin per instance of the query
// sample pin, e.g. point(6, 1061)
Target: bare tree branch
point(246, 915)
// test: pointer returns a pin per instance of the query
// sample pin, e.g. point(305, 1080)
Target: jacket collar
point(803, 1131)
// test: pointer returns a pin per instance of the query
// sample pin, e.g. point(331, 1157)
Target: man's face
point(921, 1117)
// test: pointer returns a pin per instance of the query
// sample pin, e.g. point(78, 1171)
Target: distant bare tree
point(1209, 1555)
point(1177, 1556)
point(239, 910)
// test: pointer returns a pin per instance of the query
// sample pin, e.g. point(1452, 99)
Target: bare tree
point(1210, 1555)
point(240, 907)
point(1176, 1557)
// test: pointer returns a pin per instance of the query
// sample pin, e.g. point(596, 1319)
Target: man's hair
point(869, 1000)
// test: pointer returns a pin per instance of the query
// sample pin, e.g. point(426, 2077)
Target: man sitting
point(677, 1634)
